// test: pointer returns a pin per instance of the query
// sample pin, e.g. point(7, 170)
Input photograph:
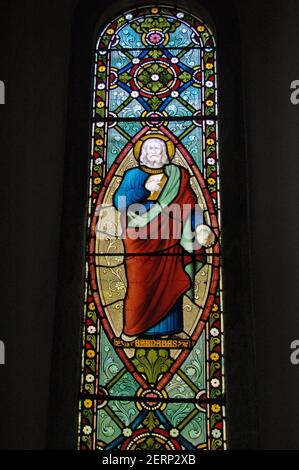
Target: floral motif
point(87, 429)
point(216, 433)
point(89, 378)
point(215, 408)
point(215, 383)
point(127, 432)
point(174, 432)
point(214, 356)
point(91, 353)
point(87, 403)
point(214, 332)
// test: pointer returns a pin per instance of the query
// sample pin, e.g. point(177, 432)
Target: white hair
point(143, 157)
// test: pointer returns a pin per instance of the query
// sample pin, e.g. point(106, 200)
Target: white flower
point(135, 94)
point(129, 16)
point(215, 382)
point(210, 123)
point(98, 161)
point(127, 432)
point(89, 378)
point(87, 430)
point(214, 332)
point(216, 433)
point(180, 15)
point(91, 329)
point(209, 84)
point(174, 432)
point(119, 286)
point(211, 161)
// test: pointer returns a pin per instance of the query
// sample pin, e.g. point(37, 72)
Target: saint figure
point(158, 261)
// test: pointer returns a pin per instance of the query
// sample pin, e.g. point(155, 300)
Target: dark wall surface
point(270, 37)
point(34, 64)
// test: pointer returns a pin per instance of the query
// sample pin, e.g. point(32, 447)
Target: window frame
point(241, 406)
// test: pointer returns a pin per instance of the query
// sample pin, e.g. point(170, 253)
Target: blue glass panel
point(130, 127)
point(133, 109)
point(191, 58)
point(117, 97)
point(128, 38)
point(119, 59)
point(116, 143)
point(176, 109)
point(178, 127)
point(193, 97)
point(181, 37)
point(193, 143)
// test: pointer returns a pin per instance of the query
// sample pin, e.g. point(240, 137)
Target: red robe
point(155, 282)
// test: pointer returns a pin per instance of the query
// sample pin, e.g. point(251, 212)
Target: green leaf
point(125, 77)
point(154, 102)
point(155, 54)
point(152, 363)
point(185, 77)
point(151, 422)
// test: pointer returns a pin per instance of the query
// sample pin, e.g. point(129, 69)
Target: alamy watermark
point(2, 353)
point(136, 221)
point(294, 357)
point(294, 97)
point(2, 92)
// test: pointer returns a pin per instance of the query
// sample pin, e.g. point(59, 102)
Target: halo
point(169, 144)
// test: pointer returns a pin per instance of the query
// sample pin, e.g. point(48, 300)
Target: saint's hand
point(205, 236)
point(152, 186)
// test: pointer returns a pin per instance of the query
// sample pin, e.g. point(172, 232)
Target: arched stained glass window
point(152, 360)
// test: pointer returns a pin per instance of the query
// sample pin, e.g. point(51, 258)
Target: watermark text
point(2, 92)
point(2, 353)
point(294, 97)
point(294, 357)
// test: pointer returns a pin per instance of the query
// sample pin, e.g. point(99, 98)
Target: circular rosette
point(113, 78)
point(155, 37)
point(155, 77)
point(154, 119)
point(151, 399)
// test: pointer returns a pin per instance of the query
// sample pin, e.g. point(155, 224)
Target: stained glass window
point(152, 357)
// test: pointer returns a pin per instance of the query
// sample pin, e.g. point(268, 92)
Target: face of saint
point(154, 152)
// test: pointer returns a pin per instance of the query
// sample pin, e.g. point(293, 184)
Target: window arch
point(152, 363)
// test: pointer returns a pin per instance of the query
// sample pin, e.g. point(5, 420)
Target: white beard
point(157, 163)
